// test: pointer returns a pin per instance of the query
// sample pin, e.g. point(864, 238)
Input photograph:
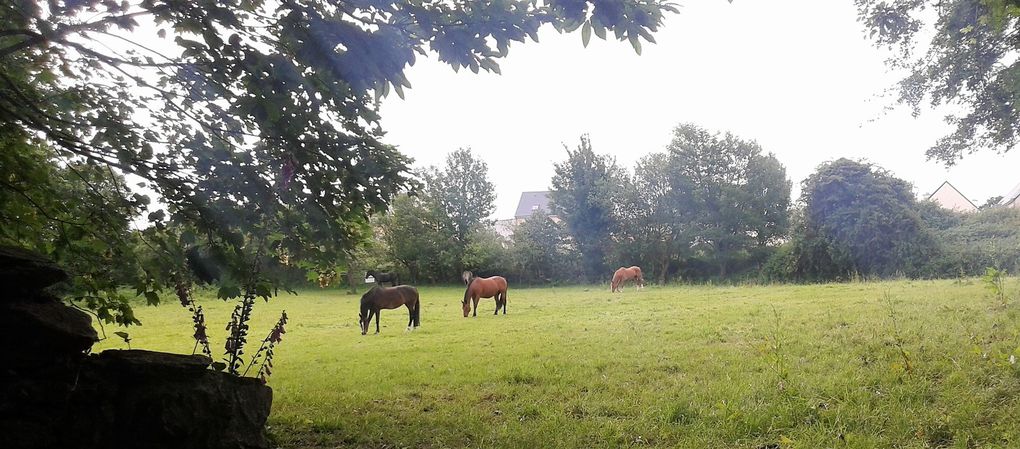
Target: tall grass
point(679, 366)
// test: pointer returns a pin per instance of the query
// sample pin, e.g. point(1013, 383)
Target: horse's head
point(370, 273)
point(363, 322)
point(466, 277)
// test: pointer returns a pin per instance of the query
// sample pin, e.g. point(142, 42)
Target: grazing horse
point(389, 298)
point(624, 274)
point(493, 287)
point(382, 277)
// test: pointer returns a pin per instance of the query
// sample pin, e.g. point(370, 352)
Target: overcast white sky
point(797, 76)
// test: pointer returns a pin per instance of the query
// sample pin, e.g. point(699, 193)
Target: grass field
point(907, 364)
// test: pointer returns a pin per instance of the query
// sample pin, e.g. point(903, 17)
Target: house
point(950, 198)
point(530, 203)
point(1012, 199)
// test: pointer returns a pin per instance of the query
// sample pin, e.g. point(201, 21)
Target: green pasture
point(909, 364)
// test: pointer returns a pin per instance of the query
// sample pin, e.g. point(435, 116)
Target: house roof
point(951, 188)
point(531, 202)
point(1011, 196)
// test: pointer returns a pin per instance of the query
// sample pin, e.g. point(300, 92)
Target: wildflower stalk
point(239, 318)
point(267, 348)
point(184, 295)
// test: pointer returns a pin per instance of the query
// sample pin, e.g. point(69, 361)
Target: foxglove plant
point(183, 290)
point(266, 350)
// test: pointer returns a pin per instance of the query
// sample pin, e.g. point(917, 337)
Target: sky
point(798, 77)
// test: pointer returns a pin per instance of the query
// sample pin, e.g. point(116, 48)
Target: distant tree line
point(710, 207)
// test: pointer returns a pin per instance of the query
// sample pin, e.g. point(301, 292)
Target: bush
point(989, 238)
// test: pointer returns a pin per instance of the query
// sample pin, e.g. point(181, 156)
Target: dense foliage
point(709, 200)
point(583, 195)
point(737, 198)
point(77, 213)
point(436, 233)
point(989, 238)
point(860, 220)
point(543, 251)
point(255, 123)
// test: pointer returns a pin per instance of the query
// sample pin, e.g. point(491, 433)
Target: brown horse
point(624, 274)
point(493, 287)
point(389, 298)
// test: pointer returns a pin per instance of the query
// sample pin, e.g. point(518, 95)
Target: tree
point(411, 232)
point(653, 222)
point(737, 198)
point(582, 195)
point(543, 251)
point(860, 219)
point(431, 232)
point(259, 128)
point(488, 253)
point(987, 238)
point(78, 214)
point(463, 198)
point(991, 202)
point(969, 63)
point(936, 217)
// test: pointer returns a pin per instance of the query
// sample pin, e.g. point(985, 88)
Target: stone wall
point(54, 395)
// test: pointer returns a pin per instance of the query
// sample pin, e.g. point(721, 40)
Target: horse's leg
point(504, 302)
point(377, 320)
point(410, 316)
point(475, 309)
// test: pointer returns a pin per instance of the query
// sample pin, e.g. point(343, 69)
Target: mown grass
point(908, 364)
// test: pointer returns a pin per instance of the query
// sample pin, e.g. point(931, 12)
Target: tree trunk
point(664, 270)
point(352, 288)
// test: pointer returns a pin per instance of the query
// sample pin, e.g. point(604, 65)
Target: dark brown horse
point(389, 298)
point(382, 277)
point(492, 287)
point(624, 274)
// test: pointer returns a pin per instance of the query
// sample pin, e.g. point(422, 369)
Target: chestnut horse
point(624, 274)
point(389, 298)
point(492, 287)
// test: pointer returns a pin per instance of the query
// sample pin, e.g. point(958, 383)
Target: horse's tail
point(506, 290)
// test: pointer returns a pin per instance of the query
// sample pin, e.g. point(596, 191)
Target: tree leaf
point(634, 42)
